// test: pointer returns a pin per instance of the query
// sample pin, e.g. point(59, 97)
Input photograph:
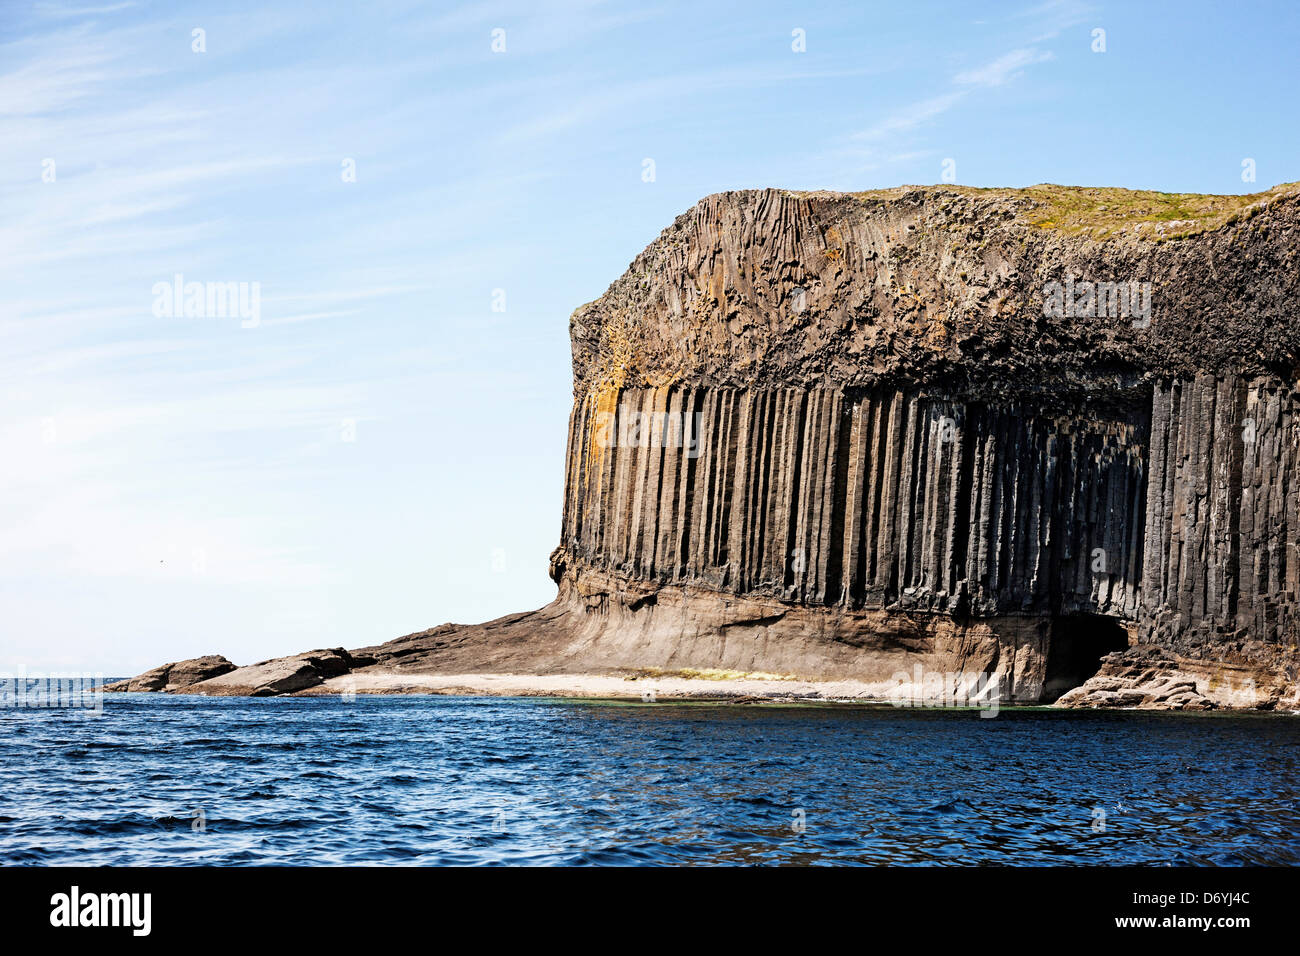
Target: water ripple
point(438, 780)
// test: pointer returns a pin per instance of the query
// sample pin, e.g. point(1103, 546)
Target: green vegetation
point(1102, 212)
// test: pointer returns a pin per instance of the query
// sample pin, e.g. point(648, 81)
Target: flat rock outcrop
point(1009, 431)
point(177, 676)
point(284, 675)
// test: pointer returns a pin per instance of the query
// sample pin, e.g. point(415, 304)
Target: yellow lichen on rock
point(615, 358)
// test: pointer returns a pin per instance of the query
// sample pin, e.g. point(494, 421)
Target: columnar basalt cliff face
point(879, 499)
point(872, 404)
point(1222, 540)
point(1049, 435)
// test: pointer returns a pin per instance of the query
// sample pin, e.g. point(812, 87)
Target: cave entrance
point(1078, 643)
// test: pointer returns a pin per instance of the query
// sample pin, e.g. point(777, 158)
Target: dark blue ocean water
point(438, 780)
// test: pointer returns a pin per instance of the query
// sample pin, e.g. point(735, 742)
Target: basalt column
point(879, 499)
point(1223, 529)
point(921, 421)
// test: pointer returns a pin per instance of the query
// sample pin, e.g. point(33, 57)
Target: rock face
point(284, 675)
point(175, 677)
point(1150, 678)
point(874, 403)
point(1222, 539)
point(1006, 431)
point(883, 499)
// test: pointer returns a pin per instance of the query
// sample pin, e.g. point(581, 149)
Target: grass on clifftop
point(1102, 212)
point(1105, 211)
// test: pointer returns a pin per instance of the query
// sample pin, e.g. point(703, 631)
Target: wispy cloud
point(64, 12)
point(1049, 20)
point(1003, 69)
point(995, 73)
point(911, 117)
point(646, 96)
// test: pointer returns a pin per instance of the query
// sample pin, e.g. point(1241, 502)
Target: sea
point(435, 780)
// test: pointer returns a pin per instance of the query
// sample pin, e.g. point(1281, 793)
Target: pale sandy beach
point(610, 687)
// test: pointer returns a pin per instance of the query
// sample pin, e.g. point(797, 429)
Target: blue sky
point(383, 451)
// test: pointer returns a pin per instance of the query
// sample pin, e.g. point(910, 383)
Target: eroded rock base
point(606, 626)
point(1146, 677)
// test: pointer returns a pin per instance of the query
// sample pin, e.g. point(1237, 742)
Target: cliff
point(1009, 432)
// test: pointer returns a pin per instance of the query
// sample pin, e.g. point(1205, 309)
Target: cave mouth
point(1077, 645)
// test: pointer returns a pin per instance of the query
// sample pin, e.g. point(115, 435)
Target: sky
point(418, 195)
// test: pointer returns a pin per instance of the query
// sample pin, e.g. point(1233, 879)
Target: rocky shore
point(1049, 436)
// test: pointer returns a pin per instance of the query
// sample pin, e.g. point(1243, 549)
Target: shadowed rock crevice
point(1078, 644)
